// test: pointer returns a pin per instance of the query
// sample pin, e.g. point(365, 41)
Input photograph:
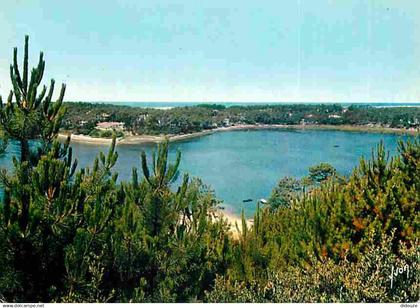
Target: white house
point(110, 125)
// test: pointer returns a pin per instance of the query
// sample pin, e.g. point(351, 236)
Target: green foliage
point(367, 280)
point(212, 106)
point(90, 239)
point(82, 117)
point(287, 190)
point(25, 222)
point(31, 115)
point(321, 172)
point(157, 245)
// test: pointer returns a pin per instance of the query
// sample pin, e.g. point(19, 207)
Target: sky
point(220, 51)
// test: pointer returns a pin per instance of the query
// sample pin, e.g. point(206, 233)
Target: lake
point(242, 165)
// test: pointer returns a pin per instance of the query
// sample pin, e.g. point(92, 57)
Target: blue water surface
point(242, 165)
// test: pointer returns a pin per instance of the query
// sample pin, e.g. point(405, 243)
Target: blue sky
point(297, 50)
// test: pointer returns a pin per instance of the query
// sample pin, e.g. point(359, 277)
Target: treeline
point(71, 235)
point(82, 117)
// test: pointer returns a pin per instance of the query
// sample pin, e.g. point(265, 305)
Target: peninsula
point(96, 123)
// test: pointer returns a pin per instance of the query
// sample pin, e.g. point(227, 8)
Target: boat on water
point(263, 201)
point(247, 200)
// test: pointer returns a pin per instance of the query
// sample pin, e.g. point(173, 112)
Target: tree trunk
point(24, 150)
point(24, 180)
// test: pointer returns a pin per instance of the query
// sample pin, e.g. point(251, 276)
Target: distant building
point(142, 117)
point(334, 116)
point(226, 122)
point(110, 126)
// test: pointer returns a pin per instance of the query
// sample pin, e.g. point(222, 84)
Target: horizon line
point(245, 102)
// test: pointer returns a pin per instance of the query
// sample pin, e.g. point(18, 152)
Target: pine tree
point(27, 114)
point(40, 176)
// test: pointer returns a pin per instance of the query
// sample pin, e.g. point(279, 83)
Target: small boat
point(247, 200)
point(263, 201)
point(336, 146)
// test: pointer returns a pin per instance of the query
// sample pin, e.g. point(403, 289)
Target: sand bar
point(147, 139)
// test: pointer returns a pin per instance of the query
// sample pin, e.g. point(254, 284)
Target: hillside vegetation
point(82, 118)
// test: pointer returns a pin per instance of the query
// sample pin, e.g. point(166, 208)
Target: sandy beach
point(148, 139)
point(234, 221)
point(86, 139)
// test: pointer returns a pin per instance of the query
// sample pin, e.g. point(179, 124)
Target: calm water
point(247, 164)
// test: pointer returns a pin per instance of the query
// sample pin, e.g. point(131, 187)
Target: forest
point(79, 235)
point(81, 118)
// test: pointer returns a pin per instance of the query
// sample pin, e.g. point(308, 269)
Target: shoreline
point(234, 220)
point(151, 139)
